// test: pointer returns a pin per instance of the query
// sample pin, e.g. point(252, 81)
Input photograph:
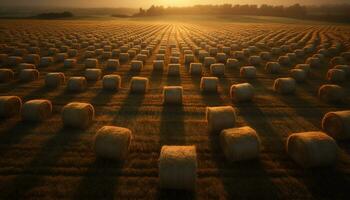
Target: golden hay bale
point(196, 69)
point(124, 57)
point(111, 82)
point(276, 51)
point(77, 84)
point(14, 61)
point(331, 93)
point(242, 92)
point(10, 106)
point(172, 95)
point(284, 60)
point(232, 63)
point(209, 84)
point(209, 61)
point(337, 61)
point(139, 84)
point(160, 57)
point(314, 62)
point(305, 67)
point(46, 61)
point(78, 115)
point(346, 55)
point(221, 57)
point(178, 167)
point(54, 79)
point(158, 65)
point(248, 72)
point(6, 75)
point(89, 54)
point(36, 110)
point(239, 55)
point(336, 75)
point(188, 58)
point(26, 66)
point(27, 75)
point(112, 64)
point(60, 57)
point(112, 142)
point(337, 124)
point(299, 53)
point(174, 60)
point(174, 69)
point(72, 52)
point(284, 85)
point(220, 118)
point(292, 57)
point(272, 67)
point(141, 57)
point(217, 69)
point(265, 55)
point(240, 143)
point(32, 58)
point(345, 68)
point(312, 149)
point(136, 65)
point(298, 75)
point(93, 74)
point(255, 60)
point(70, 62)
point(91, 63)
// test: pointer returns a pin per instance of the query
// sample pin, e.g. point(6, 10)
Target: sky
point(147, 3)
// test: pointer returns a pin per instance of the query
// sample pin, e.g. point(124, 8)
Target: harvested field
point(47, 160)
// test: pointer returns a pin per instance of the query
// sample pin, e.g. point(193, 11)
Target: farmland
point(47, 160)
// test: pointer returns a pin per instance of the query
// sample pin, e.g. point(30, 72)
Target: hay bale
point(272, 67)
point(298, 75)
point(209, 61)
point(174, 60)
point(196, 69)
point(78, 115)
point(46, 61)
point(9, 106)
point(89, 54)
point(232, 63)
point(158, 65)
point(32, 59)
point(27, 75)
point(70, 62)
point(139, 85)
point(312, 149)
point(136, 65)
point(337, 124)
point(299, 53)
point(239, 55)
point(3, 58)
point(124, 57)
point(255, 60)
point(336, 75)
point(14, 61)
point(284, 60)
point(26, 66)
point(248, 72)
point(172, 95)
point(160, 57)
point(6, 75)
point(91, 63)
point(54, 79)
point(346, 55)
point(220, 118)
point(72, 53)
point(305, 67)
point(209, 84)
point(112, 142)
point(284, 85)
point(178, 167)
point(188, 58)
point(112, 64)
point(36, 110)
point(314, 62)
point(77, 84)
point(331, 93)
point(174, 69)
point(111, 82)
point(93, 74)
point(265, 55)
point(345, 68)
point(338, 60)
point(61, 57)
point(240, 143)
point(221, 57)
point(217, 69)
point(292, 57)
point(242, 92)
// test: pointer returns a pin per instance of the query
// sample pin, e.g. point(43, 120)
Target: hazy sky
point(147, 3)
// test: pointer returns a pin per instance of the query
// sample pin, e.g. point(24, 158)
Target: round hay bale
point(112, 142)
point(158, 65)
point(14, 61)
point(70, 62)
point(284, 60)
point(196, 69)
point(174, 69)
point(54, 79)
point(312, 149)
point(220, 118)
point(178, 167)
point(72, 53)
point(331, 93)
point(239, 55)
point(255, 60)
point(221, 57)
point(93, 74)
point(9, 106)
point(232, 63)
point(265, 55)
point(273, 67)
point(141, 57)
point(139, 84)
point(172, 95)
point(78, 115)
point(174, 60)
point(314, 62)
point(284, 85)
point(89, 54)
point(77, 84)
point(6, 75)
point(319, 56)
point(337, 61)
point(208, 61)
point(27, 75)
point(240, 143)
point(337, 124)
point(346, 55)
point(111, 82)
point(292, 57)
point(209, 84)
point(188, 58)
point(124, 57)
point(112, 64)
point(36, 110)
point(46, 61)
point(132, 53)
point(298, 75)
point(248, 72)
point(217, 69)
point(136, 65)
point(305, 67)
point(336, 75)
point(60, 57)
point(32, 59)
point(160, 57)
point(91, 63)
point(299, 53)
point(276, 51)
point(242, 92)
point(26, 66)
point(345, 68)
point(202, 54)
